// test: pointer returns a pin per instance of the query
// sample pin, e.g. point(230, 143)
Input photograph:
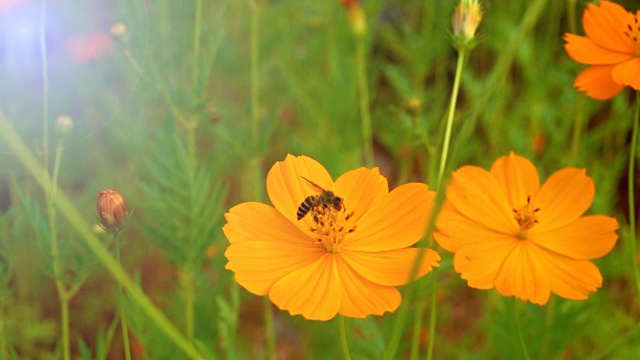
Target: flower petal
point(523, 276)
point(569, 278)
point(287, 189)
point(476, 194)
point(360, 297)
point(312, 291)
point(264, 246)
point(479, 262)
point(390, 268)
point(628, 73)
point(605, 25)
point(562, 199)
point(395, 221)
point(597, 82)
point(253, 221)
point(518, 177)
point(360, 188)
point(454, 231)
point(588, 237)
point(585, 51)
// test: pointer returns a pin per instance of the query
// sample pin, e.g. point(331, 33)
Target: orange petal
point(260, 264)
point(360, 297)
point(454, 231)
point(264, 246)
point(588, 237)
point(597, 82)
point(476, 194)
point(523, 276)
point(360, 188)
point(571, 279)
point(287, 189)
point(605, 25)
point(479, 262)
point(312, 291)
point(395, 221)
point(628, 73)
point(256, 221)
point(390, 268)
point(583, 50)
point(562, 199)
point(518, 177)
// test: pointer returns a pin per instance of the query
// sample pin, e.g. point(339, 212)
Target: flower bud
point(357, 19)
point(466, 19)
point(118, 29)
point(64, 124)
point(112, 210)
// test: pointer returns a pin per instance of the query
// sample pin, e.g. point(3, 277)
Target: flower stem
point(269, 329)
point(631, 191)
point(255, 76)
point(75, 219)
point(54, 248)
point(432, 315)
point(363, 93)
point(577, 128)
point(452, 110)
point(523, 345)
point(123, 317)
point(342, 329)
point(196, 47)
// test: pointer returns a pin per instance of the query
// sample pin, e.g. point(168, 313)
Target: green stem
point(432, 314)
point(523, 345)
point(123, 317)
point(452, 110)
point(188, 295)
point(363, 92)
point(4, 352)
point(196, 46)
point(54, 248)
point(255, 75)
point(269, 329)
point(45, 84)
point(75, 219)
point(577, 128)
point(344, 344)
point(631, 191)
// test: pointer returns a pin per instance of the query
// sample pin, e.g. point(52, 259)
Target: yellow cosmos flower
point(524, 239)
point(344, 257)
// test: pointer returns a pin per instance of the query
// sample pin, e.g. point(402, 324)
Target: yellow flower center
point(331, 226)
point(633, 33)
point(526, 218)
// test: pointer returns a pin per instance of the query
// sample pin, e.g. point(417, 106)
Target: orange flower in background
point(345, 255)
point(611, 47)
point(524, 239)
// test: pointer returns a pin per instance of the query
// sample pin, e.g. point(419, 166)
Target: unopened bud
point(118, 29)
point(466, 19)
point(357, 20)
point(112, 210)
point(64, 124)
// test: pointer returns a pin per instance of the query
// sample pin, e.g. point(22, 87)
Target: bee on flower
point(347, 257)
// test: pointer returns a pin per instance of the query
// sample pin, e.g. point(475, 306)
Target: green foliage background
point(185, 117)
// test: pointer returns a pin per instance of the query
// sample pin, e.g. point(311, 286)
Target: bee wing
point(318, 187)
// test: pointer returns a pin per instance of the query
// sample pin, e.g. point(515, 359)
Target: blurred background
point(184, 106)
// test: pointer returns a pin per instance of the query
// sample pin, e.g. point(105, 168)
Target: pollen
point(526, 216)
point(632, 31)
point(331, 227)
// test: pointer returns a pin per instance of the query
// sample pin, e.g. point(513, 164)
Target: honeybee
point(326, 199)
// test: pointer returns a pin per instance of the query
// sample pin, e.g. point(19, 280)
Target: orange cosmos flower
point(344, 257)
point(611, 47)
point(524, 239)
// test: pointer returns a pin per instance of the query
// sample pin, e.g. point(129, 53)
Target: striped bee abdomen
point(306, 206)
